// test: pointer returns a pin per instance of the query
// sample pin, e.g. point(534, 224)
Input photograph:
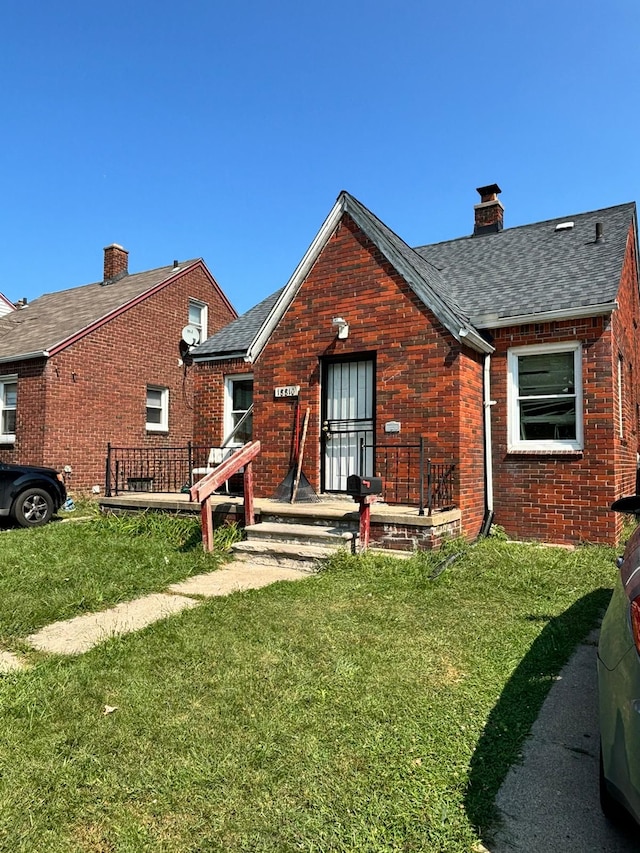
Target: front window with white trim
point(545, 397)
point(238, 417)
point(198, 318)
point(157, 408)
point(8, 407)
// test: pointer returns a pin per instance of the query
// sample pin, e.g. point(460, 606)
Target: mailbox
point(360, 487)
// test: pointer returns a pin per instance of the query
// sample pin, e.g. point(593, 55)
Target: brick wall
point(94, 391)
point(30, 412)
point(566, 497)
point(421, 374)
point(208, 379)
point(626, 348)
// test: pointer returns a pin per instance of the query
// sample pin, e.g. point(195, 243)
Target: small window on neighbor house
point(198, 318)
point(157, 408)
point(238, 417)
point(8, 404)
point(545, 397)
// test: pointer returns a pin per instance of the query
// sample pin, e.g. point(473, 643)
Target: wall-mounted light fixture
point(343, 327)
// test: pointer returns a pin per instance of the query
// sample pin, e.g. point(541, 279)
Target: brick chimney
point(116, 263)
point(489, 213)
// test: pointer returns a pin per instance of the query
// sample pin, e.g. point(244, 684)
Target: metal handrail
point(410, 474)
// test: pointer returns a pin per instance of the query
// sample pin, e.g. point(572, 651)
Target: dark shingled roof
point(482, 281)
point(54, 318)
point(236, 337)
point(534, 268)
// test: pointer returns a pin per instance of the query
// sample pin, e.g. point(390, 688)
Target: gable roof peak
point(251, 333)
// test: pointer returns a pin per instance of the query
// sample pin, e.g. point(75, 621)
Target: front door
point(347, 421)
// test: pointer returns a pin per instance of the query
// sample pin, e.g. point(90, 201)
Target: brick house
point(512, 353)
point(101, 363)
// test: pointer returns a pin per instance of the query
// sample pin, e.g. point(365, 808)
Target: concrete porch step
point(284, 554)
point(303, 534)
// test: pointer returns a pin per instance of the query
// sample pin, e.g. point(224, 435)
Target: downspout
point(487, 403)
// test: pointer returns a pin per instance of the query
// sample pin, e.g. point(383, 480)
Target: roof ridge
point(127, 277)
point(511, 228)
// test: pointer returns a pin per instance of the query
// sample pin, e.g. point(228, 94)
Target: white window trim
point(204, 318)
point(7, 437)
point(228, 404)
point(514, 442)
point(163, 426)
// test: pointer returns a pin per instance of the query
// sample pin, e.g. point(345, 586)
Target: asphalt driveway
point(549, 803)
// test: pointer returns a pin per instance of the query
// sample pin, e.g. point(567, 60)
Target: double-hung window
point(8, 405)
point(157, 408)
point(198, 318)
point(238, 414)
point(545, 397)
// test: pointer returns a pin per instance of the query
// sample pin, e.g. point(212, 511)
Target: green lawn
point(62, 570)
point(374, 707)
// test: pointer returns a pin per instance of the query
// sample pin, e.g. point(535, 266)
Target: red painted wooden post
point(206, 513)
point(249, 517)
point(365, 520)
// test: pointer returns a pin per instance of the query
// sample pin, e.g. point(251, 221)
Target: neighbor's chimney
point(116, 263)
point(489, 213)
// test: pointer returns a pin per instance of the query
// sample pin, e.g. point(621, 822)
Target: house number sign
point(287, 391)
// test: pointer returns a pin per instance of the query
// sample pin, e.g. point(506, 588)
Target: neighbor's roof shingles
point(55, 319)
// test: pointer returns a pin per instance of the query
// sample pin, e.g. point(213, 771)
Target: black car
point(30, 495)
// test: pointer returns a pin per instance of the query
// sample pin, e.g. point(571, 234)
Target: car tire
point(611, 808)
point(32, 508)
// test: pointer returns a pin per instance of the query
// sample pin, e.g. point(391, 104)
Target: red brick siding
point(209, 381)
point(116, 261)
point(566, 498)
point(30, 412)
point(624, 324)
point(557, 497)
point(421, 373)
point(488, 214)
point(94, 391)
point(470, 427)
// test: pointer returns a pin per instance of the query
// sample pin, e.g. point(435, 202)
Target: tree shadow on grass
point(517, 709)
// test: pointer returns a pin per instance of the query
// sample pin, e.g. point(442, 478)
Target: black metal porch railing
point(154, 469)
point(410, 477)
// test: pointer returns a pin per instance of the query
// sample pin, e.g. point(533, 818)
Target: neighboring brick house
point(513, 353)
point(101, 363)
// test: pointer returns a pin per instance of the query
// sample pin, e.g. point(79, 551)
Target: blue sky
point(226, 130)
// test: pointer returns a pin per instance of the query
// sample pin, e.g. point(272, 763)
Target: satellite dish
point(191, 335)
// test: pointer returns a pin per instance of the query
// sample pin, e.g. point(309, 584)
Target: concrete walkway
point(77, 635)
point(549, 802)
